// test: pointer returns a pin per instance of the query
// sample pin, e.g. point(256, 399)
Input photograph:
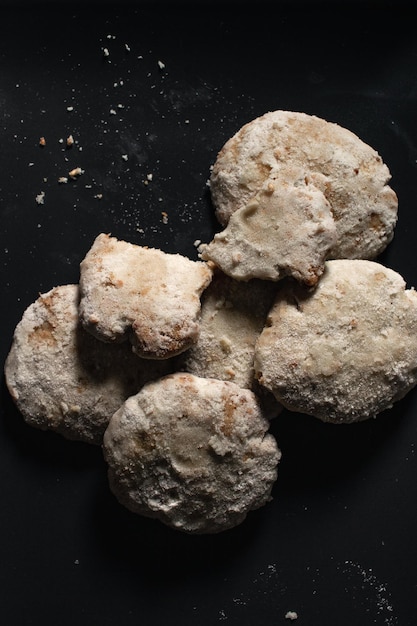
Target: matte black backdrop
point(338, 543)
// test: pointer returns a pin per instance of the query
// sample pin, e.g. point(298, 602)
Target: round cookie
point(62, 378)
point(345, 351)
point(350, 174)
point(191, 452)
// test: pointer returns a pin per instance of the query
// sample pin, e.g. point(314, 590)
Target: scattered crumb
point(74, 173)
point(106, 52)
point(98, 196)
point(70, 108)
point(62, 180)
point(149, 177)
point(42, 141)
point(70, 141)
point(161, 65)
point(292, 615)
point(164, 217)
point(125, 157)
point(196, 243)
point(40, 198)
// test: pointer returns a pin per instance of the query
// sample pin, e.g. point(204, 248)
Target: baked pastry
point(345, 351)
point(285, 229)
point(63, 379)
point(233, 315)
point(144, 294)
point(350, 174)
point(191, 452)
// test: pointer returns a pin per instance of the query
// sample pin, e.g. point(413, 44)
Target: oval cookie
point(350, 174)
point(191, 452)
point(346, 351)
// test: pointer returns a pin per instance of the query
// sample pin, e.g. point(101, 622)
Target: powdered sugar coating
point(62, 378)
point(345, 351)
point(233, 315)
point(144, 294)
point(350, 174)
point(286, 229)
point(192, 452)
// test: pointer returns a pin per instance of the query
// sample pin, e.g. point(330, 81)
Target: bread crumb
point(164, 217)
point(62, 180)
point(42, 141)
point(74, 173)
point(40, 198)
point(70, 141)
point(292, 615)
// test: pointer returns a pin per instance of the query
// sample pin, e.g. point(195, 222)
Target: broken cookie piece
point(347, 350)
point(192, 452)
point(63, 379)
point(286, 229)
point(142, 294)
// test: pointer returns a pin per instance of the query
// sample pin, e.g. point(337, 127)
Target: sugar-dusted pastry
point(144, 294)
point(351, 175)
point(345, 351)
point(194, 453)
point(233, 315)
point(285, 229)
point(62, 378)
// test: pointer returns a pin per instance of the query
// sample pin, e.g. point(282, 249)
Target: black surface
point(338, 543)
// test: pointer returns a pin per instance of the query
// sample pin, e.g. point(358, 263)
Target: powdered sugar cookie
point(350, 174)
point(347, 350)
point(233, 315)
point(63, 379)
point(191, 452)
point(145, 294)
point(285, 229)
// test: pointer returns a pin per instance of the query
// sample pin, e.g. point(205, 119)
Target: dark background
point(338, 543)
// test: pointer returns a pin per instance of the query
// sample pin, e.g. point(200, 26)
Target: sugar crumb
point(292, 615)
point(40, 198)
point(74, 173)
